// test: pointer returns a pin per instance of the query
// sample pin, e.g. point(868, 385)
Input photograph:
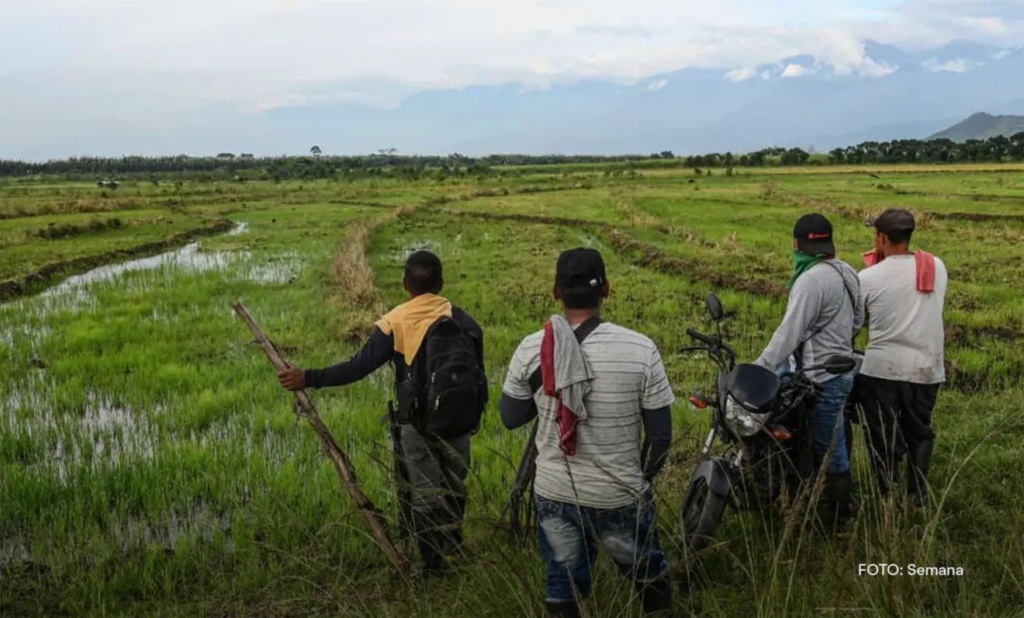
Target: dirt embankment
point(651, 257)
point(441, 200)
point(976, 216)
point(541, 219)
point(641, 253)
point(863, 212)
point(67, 230)
point(648, 256)
point(355, 283)
point(13, 288)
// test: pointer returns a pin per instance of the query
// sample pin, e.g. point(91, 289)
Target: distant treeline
point(992, 150)
point(312, 166)
point(317, 165)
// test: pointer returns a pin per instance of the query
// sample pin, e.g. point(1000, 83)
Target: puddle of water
point(590, 241)
point(188, 258)
point(116, 433)
point(74, 292)
point(13, 551)
point(200, 522)
point(282, 268)
point(400, 255)
point(241, 228)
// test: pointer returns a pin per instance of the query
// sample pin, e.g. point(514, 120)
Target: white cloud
point(439, 42)
point(847, 56)
point(995, 26)
point(250, 55)
point(657, 85)
point(618, 30)
point(741, 75)
point(793, 70)
point(957, 65)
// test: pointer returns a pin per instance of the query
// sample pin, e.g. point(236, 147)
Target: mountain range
point(983, 126)
point(800, 101)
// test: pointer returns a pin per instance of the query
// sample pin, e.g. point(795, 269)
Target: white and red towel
point(566, 377)
point(925, 268)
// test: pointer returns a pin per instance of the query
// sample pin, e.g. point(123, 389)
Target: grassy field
point(151, 465)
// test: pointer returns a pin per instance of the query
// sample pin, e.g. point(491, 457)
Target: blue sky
point(133, 64)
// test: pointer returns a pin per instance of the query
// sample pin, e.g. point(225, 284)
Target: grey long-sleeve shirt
point(826, 298)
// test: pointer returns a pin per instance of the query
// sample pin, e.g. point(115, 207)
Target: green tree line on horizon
point(389, 163)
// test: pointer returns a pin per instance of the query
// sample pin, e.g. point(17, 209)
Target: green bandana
point(802, 262)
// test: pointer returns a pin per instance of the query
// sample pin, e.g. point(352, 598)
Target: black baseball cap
point(893, 221)
point(813, 234)
point(580, 269)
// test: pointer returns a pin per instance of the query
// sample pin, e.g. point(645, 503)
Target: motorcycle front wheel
point(700, 515)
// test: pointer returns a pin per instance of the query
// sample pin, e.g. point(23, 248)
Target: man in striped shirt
point(593, 478)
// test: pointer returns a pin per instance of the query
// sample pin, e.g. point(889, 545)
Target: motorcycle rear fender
point(717, 479)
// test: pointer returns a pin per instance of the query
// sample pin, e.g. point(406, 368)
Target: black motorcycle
point(761, 419)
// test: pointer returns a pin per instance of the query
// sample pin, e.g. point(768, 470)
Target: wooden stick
point(343, 466)
point(520, 510)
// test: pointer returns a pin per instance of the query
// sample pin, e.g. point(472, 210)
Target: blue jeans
point(827, 423)
point(569, 536)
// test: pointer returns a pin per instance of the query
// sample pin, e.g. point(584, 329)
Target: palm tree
point(315, 151)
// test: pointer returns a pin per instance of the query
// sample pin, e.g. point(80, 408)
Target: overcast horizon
point(112, 74)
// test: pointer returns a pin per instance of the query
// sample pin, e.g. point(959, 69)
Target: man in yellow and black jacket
point(438, 353)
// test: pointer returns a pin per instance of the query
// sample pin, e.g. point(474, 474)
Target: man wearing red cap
point(904, 293)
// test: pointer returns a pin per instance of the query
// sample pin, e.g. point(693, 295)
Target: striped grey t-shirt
point(628, 377)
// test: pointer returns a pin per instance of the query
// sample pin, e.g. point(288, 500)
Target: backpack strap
point(799, 353)
point(582, 332)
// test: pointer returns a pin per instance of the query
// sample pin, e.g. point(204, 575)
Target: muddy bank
point(646, 255)
point(35, 281)
point(641, 253)
point(170, 201)
point(441, 200)
point(651, 257)
point(67, 230)
point(541, 219)
point(863, 212)
point(978, 382)
point(367, 204)
point(974, 216)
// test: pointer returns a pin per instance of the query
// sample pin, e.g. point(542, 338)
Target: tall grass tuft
point(355, 284)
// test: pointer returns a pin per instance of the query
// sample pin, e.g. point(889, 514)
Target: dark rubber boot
point(566, 609)
point(917, 472)
point(839, 497)
point(887, 478)
point(656, 597)
point(431, 543)
point(455, 537)
point(434, 563)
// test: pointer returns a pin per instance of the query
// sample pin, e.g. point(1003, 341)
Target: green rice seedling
point(150, 464)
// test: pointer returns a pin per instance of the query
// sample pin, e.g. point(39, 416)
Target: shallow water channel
point(99, 430)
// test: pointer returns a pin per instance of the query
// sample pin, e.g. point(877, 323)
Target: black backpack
point(451, 389)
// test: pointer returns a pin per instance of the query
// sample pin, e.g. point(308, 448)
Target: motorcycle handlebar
point(729, 351)
point(701, 337)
